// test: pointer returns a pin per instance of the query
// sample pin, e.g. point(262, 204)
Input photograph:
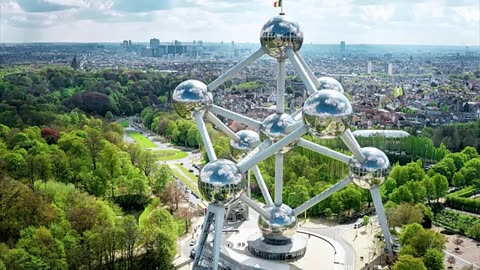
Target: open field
point(185, 171)
point(140, 139)
point(186, 181)
point(163, 155)
point(124, 123)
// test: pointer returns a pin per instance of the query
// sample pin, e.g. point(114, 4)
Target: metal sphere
point(221, 182)
point(279, 33)
point(249, 139)
point(281, 225)
point(190, 96)
point(275, 126)
point(330, 83)
point(327, 112)
point(373, 171)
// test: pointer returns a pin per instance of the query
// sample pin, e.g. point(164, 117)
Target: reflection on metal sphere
point(330, 83)
point(221, 181)
point(327, 112)
point(275, 126)
point(281, 225)
point(373, 171)
point(189, 96)
point(249, 139)
point(278, 33)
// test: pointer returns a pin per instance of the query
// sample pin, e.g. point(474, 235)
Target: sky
point(423, 22)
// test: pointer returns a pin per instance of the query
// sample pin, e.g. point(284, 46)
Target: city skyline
point(403, 22)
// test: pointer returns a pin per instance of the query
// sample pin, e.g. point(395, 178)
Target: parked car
point(358, 225)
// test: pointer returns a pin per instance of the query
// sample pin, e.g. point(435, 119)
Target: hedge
point(464, 204)
point(465, 192)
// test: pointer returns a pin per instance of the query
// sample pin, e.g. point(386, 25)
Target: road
point(336, 233)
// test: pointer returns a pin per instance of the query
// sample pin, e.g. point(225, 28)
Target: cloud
point(142, 5)
point(323, 21)
point(41, 6)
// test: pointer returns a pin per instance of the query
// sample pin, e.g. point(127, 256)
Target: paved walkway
point(469, 253)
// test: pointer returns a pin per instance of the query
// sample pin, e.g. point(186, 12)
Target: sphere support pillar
point(382, 218)
point(207, 253)
point(237, 68)
point(301, 71)
point(322, 196)
point(278, 178)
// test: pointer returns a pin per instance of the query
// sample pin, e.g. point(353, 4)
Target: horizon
point(398, 22)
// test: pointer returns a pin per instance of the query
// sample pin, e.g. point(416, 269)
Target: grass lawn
point(185, 171)
point(186, 181)
point(181, 227)
point(124, 123)
point(140, 139)
point(163, 155)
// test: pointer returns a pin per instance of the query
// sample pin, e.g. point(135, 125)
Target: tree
point(109, 116)
point(187, 213)
point(401, 194)
point(433, 259)
point(458, 242)
point(420, 239)
point(441, 185)
point(408, 262)
point(42, 246)
point(366, 219)
point(94, 142)
point(451, 260)
point(159, 240)
point(131, 236)
point(296, 195)
point(162, 176)
point(172, 195)
point(404, 214)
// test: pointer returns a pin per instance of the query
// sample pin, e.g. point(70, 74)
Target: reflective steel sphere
point(281, 225)
point(327, 112)
point(278, 33)
point(275, 126)
point(330, 83)
point(248, 140)
point(189, 96)
point(373, 171)
point(221, 181)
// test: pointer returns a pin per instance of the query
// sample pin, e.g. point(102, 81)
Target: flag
point(277, 3)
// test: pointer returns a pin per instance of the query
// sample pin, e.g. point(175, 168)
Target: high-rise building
point(369, 67)
point(342, 47)
point(233, 45)
point(154, 43)
point(389, 69)
point(129, 43)
point(125, 44)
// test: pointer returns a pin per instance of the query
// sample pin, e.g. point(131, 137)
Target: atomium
point(221, 182)
point(373, 171)
point(279, 33)
point(281, 225)
point(248, 140)
point(327, 113)
point(330, 83)
point(189, 96)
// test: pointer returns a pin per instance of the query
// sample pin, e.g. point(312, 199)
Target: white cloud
point(323, 21)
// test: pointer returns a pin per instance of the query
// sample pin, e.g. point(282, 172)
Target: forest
point(74, 195)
